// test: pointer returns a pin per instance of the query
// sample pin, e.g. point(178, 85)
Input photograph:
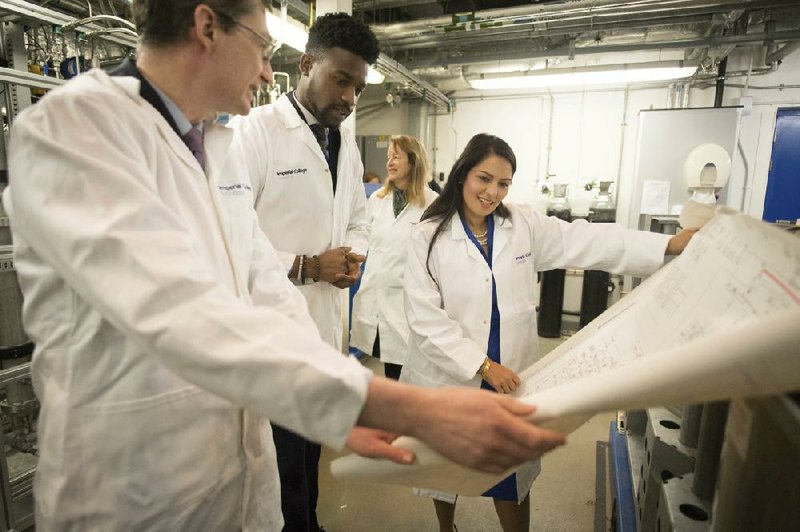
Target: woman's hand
point(502, 379)
point(678, 243)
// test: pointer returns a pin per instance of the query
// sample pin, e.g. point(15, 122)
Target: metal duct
point(591, 11)
point(397, 72)
point(567, 50)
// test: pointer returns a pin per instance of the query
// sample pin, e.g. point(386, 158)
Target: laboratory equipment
point(603, 208)
point(558, 205)
point(551, 292)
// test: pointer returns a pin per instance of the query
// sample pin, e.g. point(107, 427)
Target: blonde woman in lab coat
point(379, 321)
point(469, 284)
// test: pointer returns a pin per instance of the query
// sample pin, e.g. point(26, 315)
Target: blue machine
point(782, 201)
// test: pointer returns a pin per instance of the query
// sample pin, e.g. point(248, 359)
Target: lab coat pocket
point(167, 451)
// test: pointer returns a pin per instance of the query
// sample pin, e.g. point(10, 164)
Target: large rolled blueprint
point(720, 321)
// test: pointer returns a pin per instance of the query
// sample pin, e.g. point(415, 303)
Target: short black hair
point(165, 22)
point(340, 30)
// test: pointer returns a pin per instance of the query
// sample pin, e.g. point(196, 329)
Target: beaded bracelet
point(316, 268)
point(301, 265)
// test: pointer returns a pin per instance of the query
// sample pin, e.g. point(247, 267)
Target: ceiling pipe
point(564, 51)
point(719, 25)
point(516, 33)
point(592, 9)
point(510, 13)
point(67, 5)
point(391, 68)
point(36, 12)
point(779, 54)
point(371, 5)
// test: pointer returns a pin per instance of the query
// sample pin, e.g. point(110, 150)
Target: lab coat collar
point(502, 235)
point(310, 118)
point(390, 201)
point(291, 120)
point(457, 233)
point(131, 87)
point(217, 141)
point(285, 110)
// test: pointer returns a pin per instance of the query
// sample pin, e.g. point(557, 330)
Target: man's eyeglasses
point(267, 45)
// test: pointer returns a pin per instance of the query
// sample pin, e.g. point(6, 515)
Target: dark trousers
point(392, 371)
point(298, 467)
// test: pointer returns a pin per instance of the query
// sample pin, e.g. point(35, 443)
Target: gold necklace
point(483, 238)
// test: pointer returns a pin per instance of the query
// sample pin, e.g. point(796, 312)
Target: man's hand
point(374, 443)
point(333, 263)
point(482, 430)
point(354, 261)
point(502, 379)
point(476, 428)
point(678, 243)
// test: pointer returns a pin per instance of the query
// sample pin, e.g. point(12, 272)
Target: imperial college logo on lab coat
point(236, 189)
point(286, 174)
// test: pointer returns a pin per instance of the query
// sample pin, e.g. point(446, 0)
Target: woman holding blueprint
point(470, 280)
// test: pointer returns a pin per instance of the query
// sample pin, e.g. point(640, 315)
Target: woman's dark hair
point(451, 200)
point(165, 22)
point(340, 30)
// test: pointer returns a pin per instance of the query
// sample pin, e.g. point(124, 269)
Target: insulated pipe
point(368, 5)
point(550, 136)
point(534, 29)
point(641, 27)
point(589, 21)
point(723, 66)
point(778, 55)
point(623, 127)
point(751, 39)
point(581, 9)
point(66, 5)
point(685, 95)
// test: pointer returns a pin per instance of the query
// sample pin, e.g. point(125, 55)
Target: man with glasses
point(267, 42)
point(166, 331)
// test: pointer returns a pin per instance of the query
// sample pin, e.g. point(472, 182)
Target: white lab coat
point(449, 319)
point(295, 202)
point(144, 281)
point(379, 303)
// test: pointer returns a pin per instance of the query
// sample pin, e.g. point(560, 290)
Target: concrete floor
point(570, 495)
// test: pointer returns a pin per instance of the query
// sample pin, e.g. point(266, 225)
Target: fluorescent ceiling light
point(292, 35)
point(566, 77)
point(296, 36)
point(374, 77)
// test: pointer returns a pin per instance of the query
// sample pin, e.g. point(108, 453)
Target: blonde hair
point(419, 171)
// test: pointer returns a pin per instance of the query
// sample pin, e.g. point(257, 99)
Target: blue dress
point(506, 490)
